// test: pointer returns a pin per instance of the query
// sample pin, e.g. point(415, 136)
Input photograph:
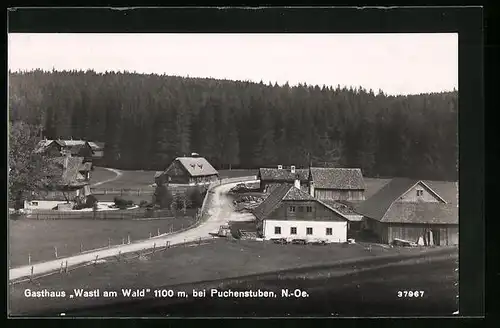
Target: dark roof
point(284, 192)
point(382, 207)
point(337, 178)
point(339, 206)
point(45, 143)
point(197, 166)
point(275, 174)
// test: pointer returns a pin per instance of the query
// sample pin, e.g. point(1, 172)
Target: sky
point(394, 63)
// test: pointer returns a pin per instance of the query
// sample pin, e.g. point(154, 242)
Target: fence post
point(31, 274)
point(55, 251)
point(95, 262)
point(81, 247)
point(109, 242)
point(158, 232)
point(123, 241)
point(29, 259)
point(154, 247)
point(66, 269)
point(61, 269)
point(128, 239)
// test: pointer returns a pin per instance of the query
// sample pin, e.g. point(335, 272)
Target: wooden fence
point(112, 215)
point(121, 192)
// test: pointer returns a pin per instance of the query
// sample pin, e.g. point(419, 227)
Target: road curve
point(115, 171)
point(220, 211)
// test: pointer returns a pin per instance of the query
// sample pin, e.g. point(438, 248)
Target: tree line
point(148, 120)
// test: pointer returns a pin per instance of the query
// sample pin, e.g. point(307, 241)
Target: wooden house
point(98, 151)
point(75, 148)
point(289, 212)
point(271, 178)
point(188, 170)
point(412, 210)
point(336, 183)
point(71, 174)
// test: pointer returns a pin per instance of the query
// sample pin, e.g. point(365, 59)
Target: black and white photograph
point(233, 174)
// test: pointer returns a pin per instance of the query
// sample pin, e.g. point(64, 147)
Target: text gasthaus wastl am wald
point(165, 293)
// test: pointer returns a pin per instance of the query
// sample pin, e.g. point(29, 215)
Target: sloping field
point(39, 237)
point(219, 259)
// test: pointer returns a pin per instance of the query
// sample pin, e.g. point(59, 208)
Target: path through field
point(220, 211)
point(117, 176)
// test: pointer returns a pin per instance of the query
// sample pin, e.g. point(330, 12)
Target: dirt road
point(118, 175)
point(220, 211)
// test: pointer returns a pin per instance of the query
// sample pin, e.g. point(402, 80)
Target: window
point(309, 209)
point(34, 203)
point(293, 230)
point(301, 209)
point(329, 231)
point(309, 231)
point(292, 209)
point(277, 230)
point(420, 193)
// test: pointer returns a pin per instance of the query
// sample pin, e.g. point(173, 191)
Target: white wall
point(339, 229)
point(42, 204)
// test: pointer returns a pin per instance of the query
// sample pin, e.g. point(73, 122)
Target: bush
point(90, 201)
point(122, 203)
point(163, 196)
point(143, 203)
point(196, 196)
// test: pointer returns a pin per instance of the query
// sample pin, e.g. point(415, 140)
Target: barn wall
point(203, 179)
point(411, 195)
point(335, 194)
point(176, 173)
point(442, 235)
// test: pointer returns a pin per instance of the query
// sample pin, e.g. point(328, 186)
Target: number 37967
point(410, 293)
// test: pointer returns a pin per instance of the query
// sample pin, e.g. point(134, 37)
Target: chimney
point(292, 169)
point(311, 188)
point(297, 182)
point(280, 167)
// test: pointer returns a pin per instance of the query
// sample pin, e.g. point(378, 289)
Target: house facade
point(411, 210)
point(270, 178)
point(289, 212)
point(188, 170)
point(98, 151)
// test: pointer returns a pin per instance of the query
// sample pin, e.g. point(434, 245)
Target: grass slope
point(38, 237)
point(220, 259)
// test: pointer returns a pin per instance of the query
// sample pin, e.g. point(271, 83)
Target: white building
point(291, 213)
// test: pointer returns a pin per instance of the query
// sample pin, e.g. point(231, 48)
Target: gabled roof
point(70, 174)
point(197, 166)
point(337, 178)
point(95, 145)
point(340, 206)
point(285, 192)
point(382, 206)
point(43, 144)
point(282, 175)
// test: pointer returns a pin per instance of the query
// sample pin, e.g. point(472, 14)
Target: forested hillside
point(147, 120)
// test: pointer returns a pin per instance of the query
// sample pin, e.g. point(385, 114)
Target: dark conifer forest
point(148, 120)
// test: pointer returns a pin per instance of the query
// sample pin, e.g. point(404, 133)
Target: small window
point(277, 230)
point(293, 230)
point(309, 209)
point(309, 231)
point(301, 209)
point(292, 209)
point(34, 203)
point(329, 231)
point(420, 193)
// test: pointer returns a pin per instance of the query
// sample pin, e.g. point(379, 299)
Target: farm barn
point(73, 183)
point(411, 210)
point(271, 178)
point(289, 212)
point(188, 170)
point(336, 184)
